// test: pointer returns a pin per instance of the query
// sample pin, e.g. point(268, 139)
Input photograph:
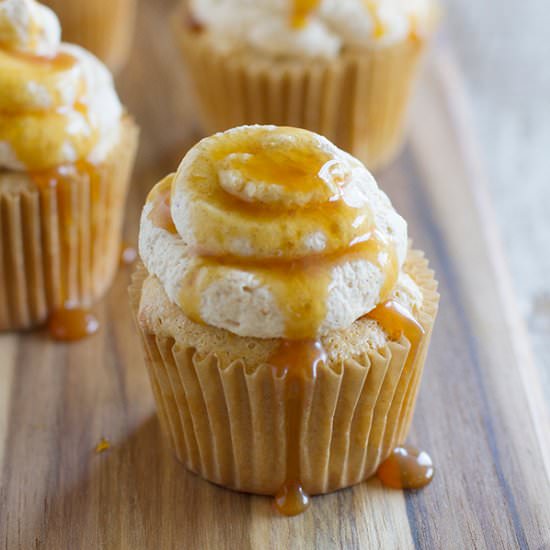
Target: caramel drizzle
point(60, 61)
point(379, 29)
point(301, 10)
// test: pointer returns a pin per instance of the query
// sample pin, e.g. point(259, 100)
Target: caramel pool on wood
point(70, 324)
point(406, 468)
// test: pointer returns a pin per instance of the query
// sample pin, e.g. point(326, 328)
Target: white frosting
point(104, 107)
point(239, 301)
point(29, 27)
point(265, 25)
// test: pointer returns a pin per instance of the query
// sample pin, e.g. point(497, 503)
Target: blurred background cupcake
point(105, 27)
point(343, 68)
point(67, 148)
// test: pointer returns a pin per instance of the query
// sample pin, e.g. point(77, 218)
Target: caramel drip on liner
point(69, 321)
point(296, 362)
point(406, 467)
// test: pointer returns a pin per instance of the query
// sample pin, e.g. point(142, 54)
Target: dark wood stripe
point(449, 273)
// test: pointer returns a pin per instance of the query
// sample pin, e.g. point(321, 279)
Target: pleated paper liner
point(358, 101)
point(60, 242)
point(226, 422)
point(105, 27)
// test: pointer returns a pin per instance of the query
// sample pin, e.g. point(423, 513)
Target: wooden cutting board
point(480, 413)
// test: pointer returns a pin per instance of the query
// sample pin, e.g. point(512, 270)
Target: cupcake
point(343, 68)
point(105, 27)
point(66, 152)
point(284, 317)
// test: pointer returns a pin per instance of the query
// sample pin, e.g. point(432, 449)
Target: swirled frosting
point(272, 232)
point(312, 28)
point(57, 101)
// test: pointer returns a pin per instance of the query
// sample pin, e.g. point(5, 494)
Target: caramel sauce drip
point(296, 363)
point(70, 324)
point(406, 468)
point(301, 10)
point(160, 214)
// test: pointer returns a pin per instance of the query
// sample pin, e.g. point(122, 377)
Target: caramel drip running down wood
point(296, 363)
point(301, 10)
point(406, 468)
point(70, 324)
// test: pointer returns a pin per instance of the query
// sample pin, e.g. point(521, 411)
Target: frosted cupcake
point(66, 151)
point(105, 27)
point(343, 68)
point(284, 317)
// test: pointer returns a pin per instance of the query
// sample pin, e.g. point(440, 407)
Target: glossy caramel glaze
point(70, 324)
point(300, 287)
point(406, 468)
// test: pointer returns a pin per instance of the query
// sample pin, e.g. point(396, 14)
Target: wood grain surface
point(480, 413)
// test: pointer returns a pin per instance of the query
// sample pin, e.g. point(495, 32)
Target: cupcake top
point(273, 232)
point(312, 28)
point(58, 104)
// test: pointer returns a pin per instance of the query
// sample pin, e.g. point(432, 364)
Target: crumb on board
point(102, 446)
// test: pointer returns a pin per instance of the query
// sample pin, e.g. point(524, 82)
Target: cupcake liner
point(60, 242)
point(104, 27)
point(358, 101)
point(226, 422)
